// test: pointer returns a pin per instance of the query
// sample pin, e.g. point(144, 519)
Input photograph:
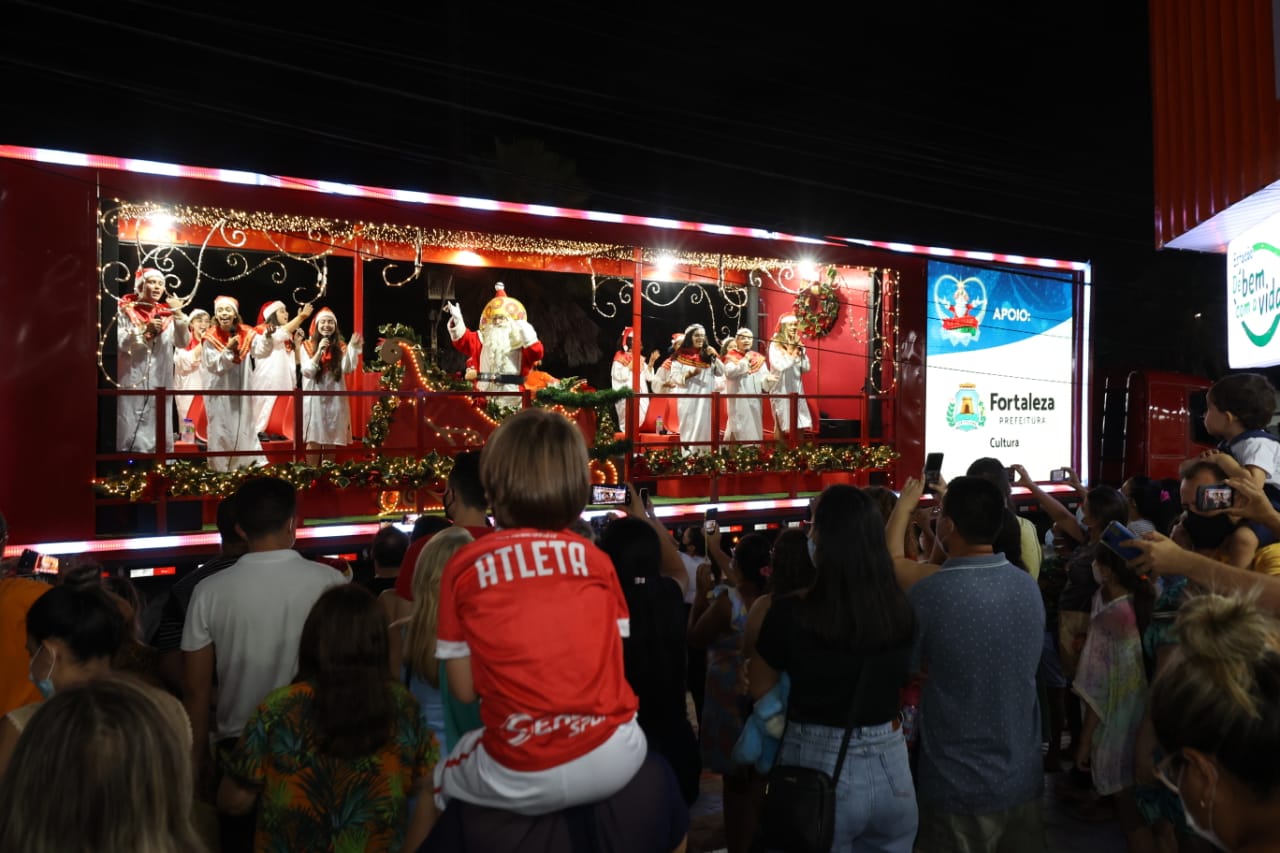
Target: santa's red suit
point(502, 351)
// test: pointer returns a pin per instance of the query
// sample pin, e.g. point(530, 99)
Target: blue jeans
point(875, 798)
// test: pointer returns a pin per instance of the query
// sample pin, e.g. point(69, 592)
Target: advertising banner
point(999, 368)
point(1253, 296)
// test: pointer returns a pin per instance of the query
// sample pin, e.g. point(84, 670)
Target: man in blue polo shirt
point(979, 628)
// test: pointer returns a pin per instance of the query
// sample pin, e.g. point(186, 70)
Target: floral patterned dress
point(315, 802)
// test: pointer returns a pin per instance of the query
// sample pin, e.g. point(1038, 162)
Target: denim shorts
point(875, 797)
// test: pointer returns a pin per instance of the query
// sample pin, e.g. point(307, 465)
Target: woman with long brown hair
point(341, 750)
point(327, 358)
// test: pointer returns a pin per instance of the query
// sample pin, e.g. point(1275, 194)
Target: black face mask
point(1207, 531)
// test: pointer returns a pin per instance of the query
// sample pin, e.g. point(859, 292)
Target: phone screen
point(932, 468)
point(1058, 475)
point(611, 494)
point(1215, 496)
point(709, 524)
point(1117, 533)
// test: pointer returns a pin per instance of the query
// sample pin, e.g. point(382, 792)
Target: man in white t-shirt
point(246, 621)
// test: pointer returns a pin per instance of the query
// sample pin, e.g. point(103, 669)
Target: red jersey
point(404, 577)
point(542, 616)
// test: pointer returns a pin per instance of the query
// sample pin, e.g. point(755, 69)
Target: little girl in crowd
point(1111, 680)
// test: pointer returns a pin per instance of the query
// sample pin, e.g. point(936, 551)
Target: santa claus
point(502, 351)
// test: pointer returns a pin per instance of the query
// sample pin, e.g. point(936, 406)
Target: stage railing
point(868, 421)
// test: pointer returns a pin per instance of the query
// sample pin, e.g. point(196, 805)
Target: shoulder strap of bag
point(848, 729)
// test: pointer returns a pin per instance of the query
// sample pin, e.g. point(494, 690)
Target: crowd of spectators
point(523, 684)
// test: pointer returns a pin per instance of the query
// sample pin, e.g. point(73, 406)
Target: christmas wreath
point(817, 307)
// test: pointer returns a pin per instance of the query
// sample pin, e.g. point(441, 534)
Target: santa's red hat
point(316, 318)
point(226, 300)
point(142, 275)
point(269, 310)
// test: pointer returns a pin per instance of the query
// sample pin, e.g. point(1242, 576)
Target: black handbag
point(799, 810)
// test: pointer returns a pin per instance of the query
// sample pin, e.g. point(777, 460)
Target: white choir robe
point(789, 370)
point(274, 371)
point(326, 420)
point(142, 365)
point(621, 375)
point(744, 374)
point(189, 375)
point(231, 425)
point(697, 381)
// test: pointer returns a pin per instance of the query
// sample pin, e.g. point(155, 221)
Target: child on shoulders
point(1239, 408)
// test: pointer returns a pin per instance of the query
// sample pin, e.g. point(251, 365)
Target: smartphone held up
point(608, 494)
point(1214, 496)
point(1117, 533)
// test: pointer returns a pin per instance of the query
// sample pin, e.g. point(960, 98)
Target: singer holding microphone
point(694, 368)
point(148, 326)
point(789, 362)
point(326, 360)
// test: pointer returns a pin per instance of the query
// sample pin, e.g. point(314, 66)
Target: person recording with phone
point(718, 623)
point(653, 580)
point(1100, 506)
point(1207, 529)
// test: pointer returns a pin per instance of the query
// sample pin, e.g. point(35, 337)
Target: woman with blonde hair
point(1213, 708)
point(103, 765)
point(789, 361)
point(423, 673)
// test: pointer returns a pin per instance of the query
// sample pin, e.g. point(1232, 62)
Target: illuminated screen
point(1253, 297)
point(999, 368)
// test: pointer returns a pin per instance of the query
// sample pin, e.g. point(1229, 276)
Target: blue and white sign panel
point(999, 368)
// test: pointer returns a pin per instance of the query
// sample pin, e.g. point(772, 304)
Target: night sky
point(1021, 130)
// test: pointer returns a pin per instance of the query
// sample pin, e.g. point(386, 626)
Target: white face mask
point(813, 550)
point(1097, 574)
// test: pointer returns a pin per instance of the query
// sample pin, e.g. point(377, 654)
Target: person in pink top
point(531, 621)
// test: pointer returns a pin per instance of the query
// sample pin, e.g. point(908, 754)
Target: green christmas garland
point(755, 459)
point(186, 478)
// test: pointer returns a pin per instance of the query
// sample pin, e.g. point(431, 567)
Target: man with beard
point(504, 349)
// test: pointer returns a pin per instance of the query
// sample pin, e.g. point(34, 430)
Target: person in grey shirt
point(979, 627)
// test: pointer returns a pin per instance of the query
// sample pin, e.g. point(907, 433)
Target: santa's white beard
point(498, 346)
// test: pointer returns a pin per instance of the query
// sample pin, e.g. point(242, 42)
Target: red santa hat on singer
point(142, 275)
point(226, 300)
point(323, 312)
point(268, 311)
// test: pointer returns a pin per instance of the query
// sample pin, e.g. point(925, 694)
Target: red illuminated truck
point(912, 349)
